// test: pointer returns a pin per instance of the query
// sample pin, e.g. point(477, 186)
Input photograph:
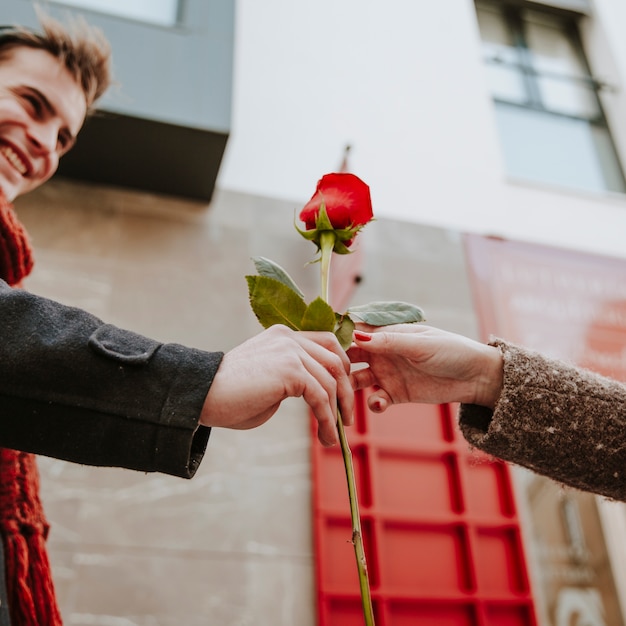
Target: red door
point(441, 533)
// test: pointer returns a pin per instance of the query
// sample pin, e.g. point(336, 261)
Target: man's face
point(42, 108)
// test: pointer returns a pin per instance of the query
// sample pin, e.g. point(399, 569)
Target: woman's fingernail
point(362, 336)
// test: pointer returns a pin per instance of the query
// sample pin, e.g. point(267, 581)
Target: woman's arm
point(518, 405)
point(556, 419)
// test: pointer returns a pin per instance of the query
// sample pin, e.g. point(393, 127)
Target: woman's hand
point(417, 363)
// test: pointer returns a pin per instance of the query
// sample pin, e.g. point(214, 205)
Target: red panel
point(343, 612)
point(440, 528)
point(499, 565)
point(337, 560)
point(403, 425)
point(509, 616)
point(333, 476)
point(488, 489)
point(442, 614)
point(432, 559)
point(400, 491)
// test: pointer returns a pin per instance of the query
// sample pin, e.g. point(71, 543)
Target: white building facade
point(410, 87)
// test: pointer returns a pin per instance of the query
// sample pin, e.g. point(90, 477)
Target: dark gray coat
point(75, 388)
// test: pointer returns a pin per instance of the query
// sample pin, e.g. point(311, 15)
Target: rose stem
point(327, 243)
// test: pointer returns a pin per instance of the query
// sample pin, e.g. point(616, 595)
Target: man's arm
point(75, 388)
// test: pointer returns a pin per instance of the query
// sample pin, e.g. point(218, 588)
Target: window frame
point(515, 24)
point(512, 12)
point(170, 23)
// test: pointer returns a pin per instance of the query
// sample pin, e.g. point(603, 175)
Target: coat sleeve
point(556, 419)
point(75, 388)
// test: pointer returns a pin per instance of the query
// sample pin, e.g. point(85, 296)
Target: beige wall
point(232, 546)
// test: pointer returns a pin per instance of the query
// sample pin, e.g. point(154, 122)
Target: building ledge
point(157, 157)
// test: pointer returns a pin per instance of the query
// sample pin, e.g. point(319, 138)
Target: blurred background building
point(492, 135)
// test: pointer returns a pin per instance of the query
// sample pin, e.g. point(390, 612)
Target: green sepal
point(340, 247)
point(323, 221)
point(266, 267)
point(319, 315)
point(322, 225)
point(386, 313)
point(344, 327)
point(275, 303)
point(309, 235)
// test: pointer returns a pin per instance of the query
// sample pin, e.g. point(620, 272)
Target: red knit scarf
point(23, 525)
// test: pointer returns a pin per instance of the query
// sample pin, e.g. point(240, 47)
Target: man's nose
point(43, 137)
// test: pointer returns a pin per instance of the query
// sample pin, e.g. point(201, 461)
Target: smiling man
point(42, 108)
point(76, 388)
point(47, 84)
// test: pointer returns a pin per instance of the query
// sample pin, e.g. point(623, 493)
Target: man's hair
point(80, 47)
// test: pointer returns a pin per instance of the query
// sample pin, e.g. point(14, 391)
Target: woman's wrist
point(489, 384)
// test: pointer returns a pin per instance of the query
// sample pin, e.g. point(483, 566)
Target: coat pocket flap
point(123, 345)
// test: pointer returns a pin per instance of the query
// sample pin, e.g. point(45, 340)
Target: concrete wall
point(233, 546)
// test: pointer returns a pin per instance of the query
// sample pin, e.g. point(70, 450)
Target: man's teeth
point(13, 159)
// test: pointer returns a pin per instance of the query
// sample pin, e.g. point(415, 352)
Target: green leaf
point(268, 268)
point(343, 330)
point(275, 303)
point(318, 316)
point(385, 313)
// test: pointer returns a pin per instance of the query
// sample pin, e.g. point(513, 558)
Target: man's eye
point(64, 144)
point(65, 140)
point(34, 102)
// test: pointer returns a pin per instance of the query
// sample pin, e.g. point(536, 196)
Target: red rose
point(347, 201)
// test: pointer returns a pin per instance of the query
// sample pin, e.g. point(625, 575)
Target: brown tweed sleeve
point(556, 419)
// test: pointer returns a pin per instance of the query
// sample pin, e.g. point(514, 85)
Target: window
point(160, 12)
point(548, 112)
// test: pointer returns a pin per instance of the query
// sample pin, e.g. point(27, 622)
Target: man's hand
point(256, 376)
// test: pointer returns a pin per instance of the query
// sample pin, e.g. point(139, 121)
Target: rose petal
point(346, 198)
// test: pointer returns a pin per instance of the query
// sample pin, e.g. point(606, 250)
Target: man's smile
point(14, 159)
